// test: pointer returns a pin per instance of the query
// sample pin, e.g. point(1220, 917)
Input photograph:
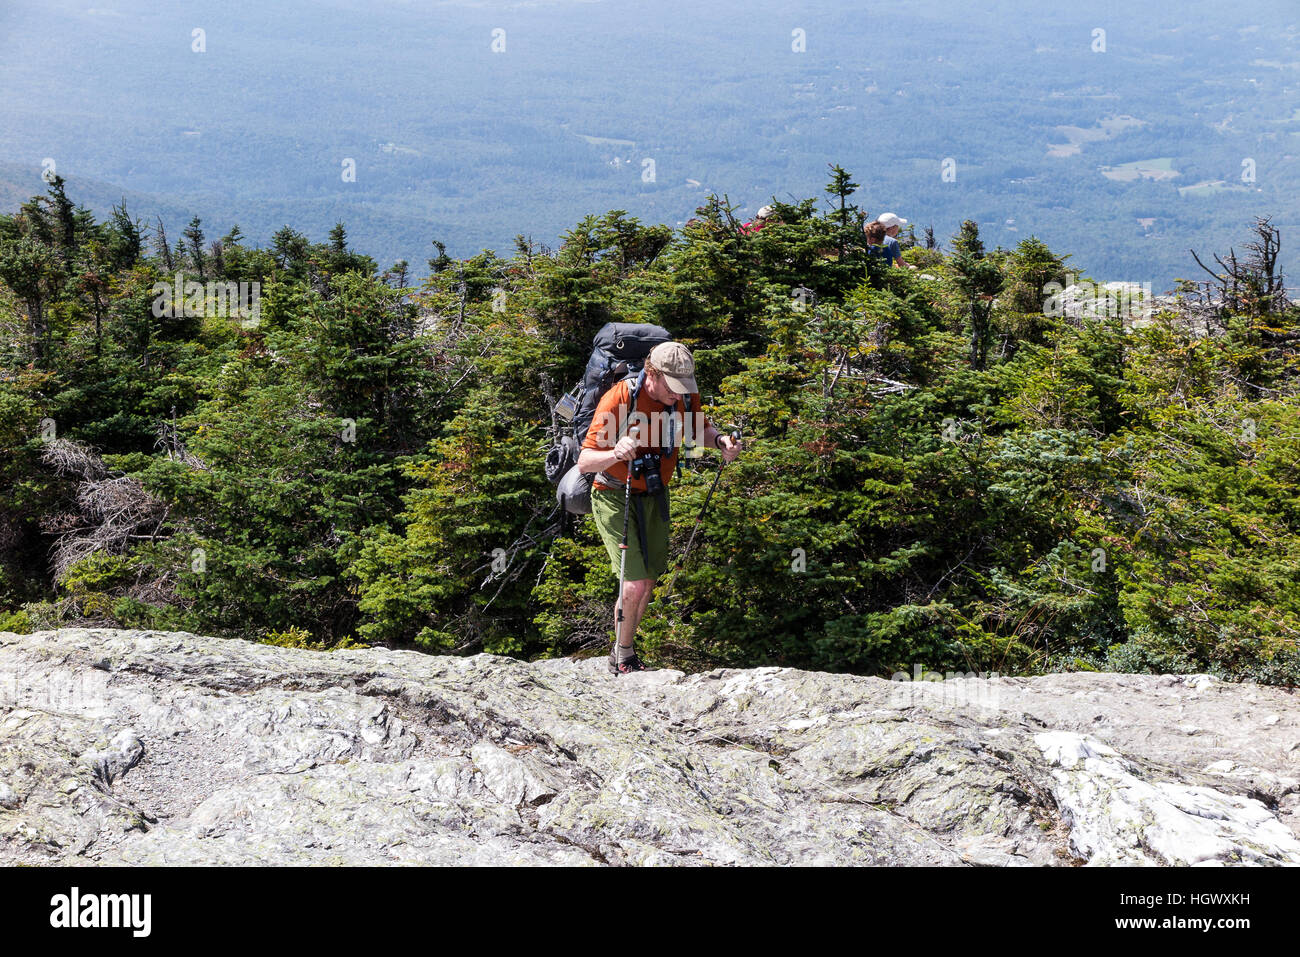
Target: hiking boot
point(628, 665)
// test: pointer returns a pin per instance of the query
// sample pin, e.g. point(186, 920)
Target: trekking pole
point(735, 435)
point(622, 553)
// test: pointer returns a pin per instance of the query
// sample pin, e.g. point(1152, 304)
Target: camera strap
point(639, 502)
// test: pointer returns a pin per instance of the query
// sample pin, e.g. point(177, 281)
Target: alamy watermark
point(1098, 300)
point(82, 694)
point(947, 688)
point(190, 299)
point(658, 429)
point(74, 909)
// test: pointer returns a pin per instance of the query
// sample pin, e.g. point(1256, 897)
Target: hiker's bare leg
point(636, 595)
point(625, 609)
point(643, 601)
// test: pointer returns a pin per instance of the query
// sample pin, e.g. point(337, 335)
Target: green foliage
point(936, 472)
point(979, 279)
point(18, 622)
point(302, 638)
point(434, 585)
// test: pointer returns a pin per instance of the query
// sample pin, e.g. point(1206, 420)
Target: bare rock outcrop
point(129, 747)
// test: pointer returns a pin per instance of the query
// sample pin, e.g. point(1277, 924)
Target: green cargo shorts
point(607, 510)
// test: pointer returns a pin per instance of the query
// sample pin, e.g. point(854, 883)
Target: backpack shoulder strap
point(634, 386)
point(633, 389)
point(686, 432)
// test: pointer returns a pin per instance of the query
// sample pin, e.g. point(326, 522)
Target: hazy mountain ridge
point(486, 146)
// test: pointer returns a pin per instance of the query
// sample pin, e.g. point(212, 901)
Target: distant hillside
point(19, 183)
point(376, 229)
point(1124, 154)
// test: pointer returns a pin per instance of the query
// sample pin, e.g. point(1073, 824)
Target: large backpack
point(618, 352)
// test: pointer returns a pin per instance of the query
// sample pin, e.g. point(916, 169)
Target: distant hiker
point(875, 236)
point(765, 217)
point(648, 437)
point(892, 222)
point(881, 238)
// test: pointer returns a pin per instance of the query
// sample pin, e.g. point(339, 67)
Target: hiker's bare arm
point(597, 460)
point(714, 439)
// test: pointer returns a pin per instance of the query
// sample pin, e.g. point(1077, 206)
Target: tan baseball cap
point(674, 360)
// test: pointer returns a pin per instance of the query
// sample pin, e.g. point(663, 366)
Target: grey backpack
point(618, 352)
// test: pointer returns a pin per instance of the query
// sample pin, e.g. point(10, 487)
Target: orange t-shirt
point(657, 429)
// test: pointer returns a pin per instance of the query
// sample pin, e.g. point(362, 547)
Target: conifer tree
point(842, 187)
point(124, 239)
point(290, 249)
point(979, 279)
point(64, 218)
point(398, 274)
point(441, 260)
point(33, 271)
point(194, 240)
point(162, 248)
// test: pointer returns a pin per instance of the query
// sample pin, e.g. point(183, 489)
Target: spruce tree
point(124, 239)
point(64, 218)
point(194, 240)
point(842, 187)
point(441, 260)
point(979, 279)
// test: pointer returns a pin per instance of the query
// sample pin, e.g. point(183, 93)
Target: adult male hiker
point(648, 438)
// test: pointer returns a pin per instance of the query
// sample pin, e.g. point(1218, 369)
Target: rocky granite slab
point(159, 748)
